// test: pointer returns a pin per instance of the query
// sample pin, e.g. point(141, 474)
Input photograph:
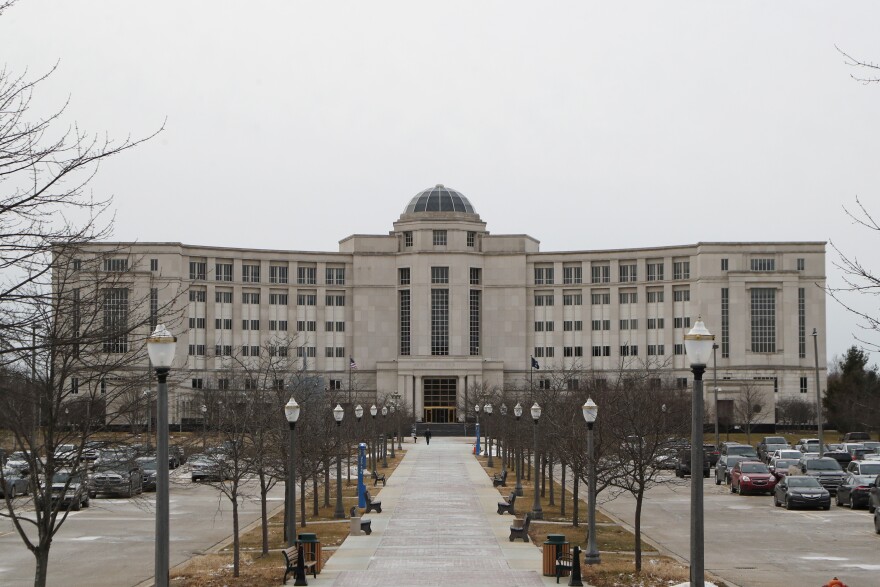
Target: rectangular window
point(250, 324)
point(223, 297)
point(725, 323)
point(223, 271)
point(278, 274)
point(407, 238)
point(471, 238)
point(629, 324)
point(572, 274)
point(116, 320)
point(250, 273)
point(601, 351)
point(600, 299)
point(250, 351)
point(77, 264)
point(627, 272)
point(154, 265)
point(335, 275)
point(655, 323)
point(334, 384)
point(476, 276)
point(198, 295)
point(197, 323)
point(116, 265)
point(197, 350)
point(802, 323)
point(656, 350)
point(197, 383)
point(439, 321)
point(476, 299)
point(655, 271)
point(629, 297)
point(803, 385)
point(306, 299)
point(306, 325)
point(573, 351)
point(403, 276)
point(439, 274)
point(801, 264)
point(655, 297)
point(681, 382)
point(277, 325)
point(223, 350)
point(724, 264)
point(331, 352)
point(543, 275)
point(629, 351)
point(572, 299)
point(249, 297)
point(306, 275)
point(682, 322)
point(681, 270)
point(601, 324)
point(278, 299)
point(681, 295)
point(600, 273)
point(223, 323)
point(337, 299)
point(439, 238)
point(763, 264)
point(404, 323)
point(543, 299)
point(154, 308)
point(678, 349)
point(763, 307)
point(222, 384)
point(573, 325)
point(74, 385)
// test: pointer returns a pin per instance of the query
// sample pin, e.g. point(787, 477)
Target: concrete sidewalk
point(438, 526)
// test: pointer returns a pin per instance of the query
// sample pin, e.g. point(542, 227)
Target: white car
point(787, 453)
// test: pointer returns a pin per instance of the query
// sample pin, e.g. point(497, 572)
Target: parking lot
point(752, 543)
point(111, 543)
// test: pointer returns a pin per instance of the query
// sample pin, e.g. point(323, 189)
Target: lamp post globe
point(358, 412)
point(698, 346)
point(517, 451)
point(338, 413)
point(537, 512)
point(503, 448)
point(591, 411)
point(161, 347)
point(291, 414)
point(375, 440)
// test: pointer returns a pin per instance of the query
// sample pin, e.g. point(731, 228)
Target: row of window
point(654, 350)
point(250, 273)
point(439, 238)
point(225, 350)
point(275, 299)
point(604, 298)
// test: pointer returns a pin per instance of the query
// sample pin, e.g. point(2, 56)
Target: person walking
point(428, 435)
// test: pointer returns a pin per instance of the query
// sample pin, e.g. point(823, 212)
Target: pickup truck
point(826, 470)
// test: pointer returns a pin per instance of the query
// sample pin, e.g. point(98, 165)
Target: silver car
point(15, 481)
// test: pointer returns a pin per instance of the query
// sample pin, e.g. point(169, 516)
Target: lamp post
point(161, 346)
point(591, 410)
point(393, 426)
point(488, 409)
point(373, 411)
point(291, 412)
point(537, 512)
point(396, 409)
point(715, 390)
point(698, 345)
point(815, 336)
point(385, 440)
point(204, 426)
point(338, 413)
point(358, 414)
point(517, 451)
point(504, 449)
point(477, 447)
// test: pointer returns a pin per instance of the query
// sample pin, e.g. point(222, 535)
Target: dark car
point(801, 491)
point(712, 452)
point(877, 521)
point(71, 489)
point(826, 470)
point(123, 477)
point(14, 481)
point(683, 463)
point(769, 444)
point(148, 464)
point(779, 467)
point(854, 491)
point(855, 437)
point(725, 463)
point(874, 495)
point(735, 448)
point(751, 477)
point(841, 456)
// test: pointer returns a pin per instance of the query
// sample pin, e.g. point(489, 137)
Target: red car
point(751, 477)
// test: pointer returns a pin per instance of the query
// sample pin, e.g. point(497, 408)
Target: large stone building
point(439, 305)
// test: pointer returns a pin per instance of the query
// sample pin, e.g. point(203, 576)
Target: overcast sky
point(586, 125)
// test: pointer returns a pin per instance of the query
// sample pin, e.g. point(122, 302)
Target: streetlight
point(385, 440)
point(375, 454)
point(715, 390)
point(488, 409)
point(698, 345)
point(393, 420)
point(591, 410)
point(504, 449)
point(204, 426)
point(537, 512)
point(517, 411)
point(161, 346)
point(338, 413)
point(358, 414)
point(396, 407)
point(291, 412)
point(477, 447)
point(815, 336)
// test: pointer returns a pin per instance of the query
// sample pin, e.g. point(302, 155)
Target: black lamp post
point(393, 427)
point(204, 426)
point(503, 410)
point(373, 453)
point(291, 412)
point(161, 346)
point(488, 409)
point(591, 410)
point(517, 451)
point(537, 512)
point(338, 413)
point(698, 345)
point(385, 439)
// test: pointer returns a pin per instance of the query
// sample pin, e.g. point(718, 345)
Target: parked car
point(855, 437)
point(14, 482)
point(683, 463)
point(735, 448)
point(665, 458)
point(71, 489)
point(872, 444)
point(150, 467)
point(877, 521)
point(751, 477)
point(205, 467)
point(788, 453)
point(780, 467)
point(176, 456)
point(769, 444)
point(854, 490)
point(66, 454)
point(712, 452)
point(864, 468)
point(861, 454)
point(725, 463)
point(807, 445)
point(838, 454)
point(874, 495)
point(850, 447)
point(121, 477)
point(801, 490)
point(826, 470)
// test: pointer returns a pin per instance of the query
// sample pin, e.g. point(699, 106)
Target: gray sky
point(587, 125)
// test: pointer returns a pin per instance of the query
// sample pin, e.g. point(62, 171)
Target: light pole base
point(537, 514)
point(592, 558)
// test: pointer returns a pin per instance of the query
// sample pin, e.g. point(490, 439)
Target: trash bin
point(311, 549)
point(555, 545)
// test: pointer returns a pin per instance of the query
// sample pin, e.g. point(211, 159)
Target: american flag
point(352, 364)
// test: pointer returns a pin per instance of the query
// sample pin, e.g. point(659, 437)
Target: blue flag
point(535, 364)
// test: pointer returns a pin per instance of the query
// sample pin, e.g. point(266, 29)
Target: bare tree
point(749, 406)
point(872, 69)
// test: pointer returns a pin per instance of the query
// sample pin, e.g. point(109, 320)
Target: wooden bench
point(378, 477)
point(521, 532)
point(500, 479)
point(507, 505)
point(291, 558)
point(365, 524)
point(372, 504)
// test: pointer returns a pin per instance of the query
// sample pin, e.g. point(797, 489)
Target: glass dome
point(439, 199)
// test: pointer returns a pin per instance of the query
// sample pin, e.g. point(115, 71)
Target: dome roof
point(439, 199)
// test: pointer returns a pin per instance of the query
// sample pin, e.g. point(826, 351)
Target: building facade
point(440, 305)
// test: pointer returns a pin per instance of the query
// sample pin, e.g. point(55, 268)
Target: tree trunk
point(236, 540)
point(575, 498)
point(41, 553)
point(326, 483)
point(562, 491)
point(315, 496)
point(528, 464)
point(302, 503)
point(264, 514)
point(550, 475)
point(638, 526)
point(543, 478)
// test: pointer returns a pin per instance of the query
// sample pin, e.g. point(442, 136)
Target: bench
point(378, 477)
point(521, 532)
point(292, 559)
point(372, 504)
point(500, 479)
point(564, 564)
point(365, 524)
point(507, 505)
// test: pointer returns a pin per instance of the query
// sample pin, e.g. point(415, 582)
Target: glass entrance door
point(440, 395)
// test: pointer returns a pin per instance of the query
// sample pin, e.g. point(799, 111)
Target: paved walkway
point(438, 526)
